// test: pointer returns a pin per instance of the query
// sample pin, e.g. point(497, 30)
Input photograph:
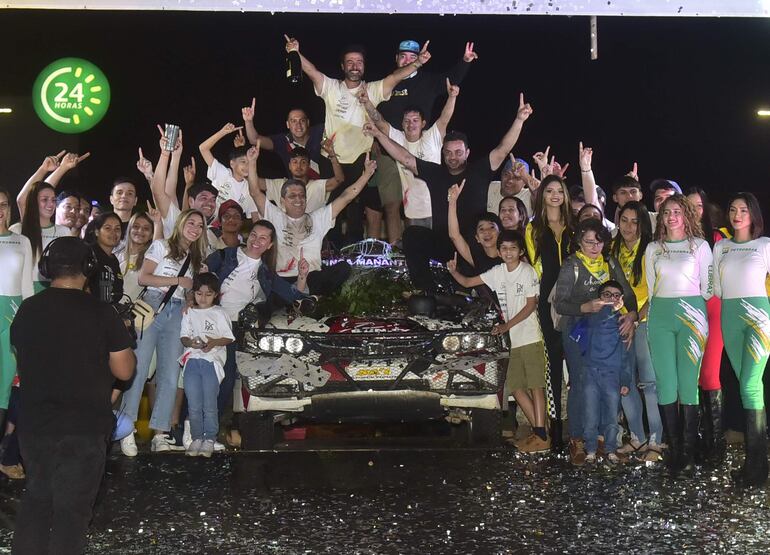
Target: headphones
point(87, 264)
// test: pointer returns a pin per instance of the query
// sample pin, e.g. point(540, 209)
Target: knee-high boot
point(755, 465)
point(672, 433)
point(689, 436)
point(713, 428)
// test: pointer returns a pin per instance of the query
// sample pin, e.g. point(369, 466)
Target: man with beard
point(345, 116)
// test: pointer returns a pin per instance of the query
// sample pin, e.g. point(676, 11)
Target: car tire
point(259, 432)
point(485, 427)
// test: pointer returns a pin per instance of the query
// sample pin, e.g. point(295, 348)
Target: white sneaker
point(206, 448)
point(186, 435)
point(194, 449)
point(160, 443)
point(128, 445)
point(591, 458)
point(219, 446)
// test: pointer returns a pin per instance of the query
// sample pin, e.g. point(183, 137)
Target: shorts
point(388, 180)
point(370, 197)
point(526, 367)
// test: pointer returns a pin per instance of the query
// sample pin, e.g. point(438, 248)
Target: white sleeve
point(325, 86)
point(531, 283)
point(649, 269)
point(27, 289)
point(766, 254)
point(491, 278)
point(717, 277)
point(273, 214)
point(225, 325)
point(706, 269)
point(216, 173)
point(273, 189)
point(397, 136)
point(322, 219)
point(249, 206)
point(376, 92)
point(187, 329)
point(157, 251)
point(170, 219)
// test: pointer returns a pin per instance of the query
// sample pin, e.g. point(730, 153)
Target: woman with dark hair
point(713, 433)
point(547, 238)
point(513, 214)
point(103, 235)
point(247, 275)
point(579, 280)
point(37, 226)
point(634, 234)
point(590, 212)
point(742, 265)
point(679, 267)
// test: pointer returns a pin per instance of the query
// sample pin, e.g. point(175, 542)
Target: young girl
point(206, 330)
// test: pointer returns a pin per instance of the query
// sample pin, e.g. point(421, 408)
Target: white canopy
point(687, 8)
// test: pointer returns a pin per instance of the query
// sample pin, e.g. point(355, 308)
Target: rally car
point(370, 354)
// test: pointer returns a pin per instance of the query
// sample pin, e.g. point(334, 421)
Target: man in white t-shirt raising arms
point(425, 145)
point(345, 117)
point(296, 229)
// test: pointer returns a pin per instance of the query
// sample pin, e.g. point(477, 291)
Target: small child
point(607, 371)
point(517, 287)
point(206, 329)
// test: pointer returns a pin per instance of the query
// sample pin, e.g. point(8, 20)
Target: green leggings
point(676, 331)
point(8, 308)
point(746, 333)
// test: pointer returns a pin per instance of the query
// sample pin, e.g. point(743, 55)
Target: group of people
point(640, 305)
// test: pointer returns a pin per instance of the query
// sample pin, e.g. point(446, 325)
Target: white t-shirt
point(681, 269)
point(345, 116)
point(513, 289)
point(16, 261)
point(169, 222)
point(415, 191)
point(306, 232)
point(224, 182)
point(315, 192)
point(741, 268)
point(202, 322)
point(241, 287)
point(166, 267)
point(494, 197)
point(47, 234)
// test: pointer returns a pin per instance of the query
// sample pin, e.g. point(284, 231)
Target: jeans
point(644, 376)
point(575, 396)
point(601, 397)
point(201, 388)
point(162, 337)
point(63, 478)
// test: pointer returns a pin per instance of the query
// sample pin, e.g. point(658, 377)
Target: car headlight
point(465, 342)
point(450, 343)
point(271, 343)
point(293, 345)
point(473, 342)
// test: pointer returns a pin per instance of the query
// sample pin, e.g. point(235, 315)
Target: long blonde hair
point(692, 227)
point(197, 249)
point(135, 248)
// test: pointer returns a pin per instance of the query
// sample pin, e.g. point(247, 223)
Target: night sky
point(679, 96)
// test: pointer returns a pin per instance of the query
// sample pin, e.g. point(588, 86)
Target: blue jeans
point(645, 374)
point(162, 337)
point(632, 408)
point(225, 397)
point(575, 365)
point(201, 387)
point(601, 397)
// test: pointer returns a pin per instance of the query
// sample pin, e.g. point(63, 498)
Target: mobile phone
point(171, 134)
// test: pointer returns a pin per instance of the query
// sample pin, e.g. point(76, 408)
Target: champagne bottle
point(293, 68)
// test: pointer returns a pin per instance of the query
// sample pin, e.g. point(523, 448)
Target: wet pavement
point(412, 500)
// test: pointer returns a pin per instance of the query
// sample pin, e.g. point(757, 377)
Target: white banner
point(666, 8)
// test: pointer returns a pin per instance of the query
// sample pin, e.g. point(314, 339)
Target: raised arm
point(339, 176)
point(206, 146)
point(254, 190)
point(172, 177)
point(465, 281)
point(454, 225)
point(371, 110)
point(339, 204)
point(460, 70)
point(188, 173)
point(389, 83)
point(585, 157)
point(453, 91)
point(497, 156)
point(50, 163)
point(158, 181)
point(251, 132)
point(292, 45)
point(69, 161)
point(396, 151)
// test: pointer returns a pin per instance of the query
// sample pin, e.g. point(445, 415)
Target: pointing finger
point(81, 158)
point(425, 46)
point(254, 100)
point(141, 155)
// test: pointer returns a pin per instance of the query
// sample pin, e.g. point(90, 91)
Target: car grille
point(348, 346)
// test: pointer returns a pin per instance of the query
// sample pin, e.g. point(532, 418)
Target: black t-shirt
point(106, 282)
point(421, 91)
point(320, 167)
point(63, 340)
point(473, 200)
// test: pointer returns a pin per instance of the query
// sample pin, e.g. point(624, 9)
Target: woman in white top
point(167, 264)
point(679, 268)
point(37, 225)
point(139, 236)
point(742, 265)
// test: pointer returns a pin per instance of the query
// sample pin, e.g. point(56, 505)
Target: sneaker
point(617, 458)
point(577, 454)
point(535, 444)
point(206, 448)
point(14, 472)
point(128, 445)
point(160, 443)
point(186, 435)
point(219, 446)
point(195, 448)
point(590, 458)
point(176, 438)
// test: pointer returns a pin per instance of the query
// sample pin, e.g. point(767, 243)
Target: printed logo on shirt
point(404, 92)
point(208, 325)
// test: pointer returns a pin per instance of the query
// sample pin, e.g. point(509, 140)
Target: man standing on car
point(65, 419)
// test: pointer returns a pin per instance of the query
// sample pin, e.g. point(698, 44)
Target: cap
point(409, 46)
point(508, 164)
point(665, 184)
point(227, 205)
point(203, 185)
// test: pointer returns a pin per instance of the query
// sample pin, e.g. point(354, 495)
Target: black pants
point(63, 478)
point(420, 246)
point(554, 348)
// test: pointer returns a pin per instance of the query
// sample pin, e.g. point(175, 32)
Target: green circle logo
point(71, 95)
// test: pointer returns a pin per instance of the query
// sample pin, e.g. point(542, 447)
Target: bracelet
point(586, 171)
point(417, 64)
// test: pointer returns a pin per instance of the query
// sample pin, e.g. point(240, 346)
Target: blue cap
point(665, 184)
point(509, 165)
point(409, 46)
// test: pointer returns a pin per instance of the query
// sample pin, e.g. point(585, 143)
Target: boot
point(689, 437)
point(714, 435)
point(755, 467)
point(671, 431)
point(557, 443)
